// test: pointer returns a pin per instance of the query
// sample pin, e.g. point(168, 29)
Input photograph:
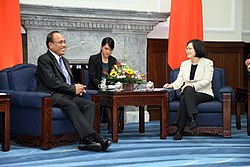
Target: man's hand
point(80, 89)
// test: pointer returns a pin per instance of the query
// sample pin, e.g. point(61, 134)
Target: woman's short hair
point(199, 48)
point(109, 41)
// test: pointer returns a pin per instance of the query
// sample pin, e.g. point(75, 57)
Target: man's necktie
point(65, 72)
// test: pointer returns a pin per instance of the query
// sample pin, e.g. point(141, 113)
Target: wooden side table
point(242, 96)
point(5, 110)
point(139, 99)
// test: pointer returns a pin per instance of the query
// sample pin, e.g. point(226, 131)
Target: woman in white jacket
point(194, 80)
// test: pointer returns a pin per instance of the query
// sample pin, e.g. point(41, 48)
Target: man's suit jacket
point(95, 69)
point(202, 81)
point(50, 77)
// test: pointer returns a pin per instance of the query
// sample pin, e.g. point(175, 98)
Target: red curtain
point(10, 34)
point(185, 24)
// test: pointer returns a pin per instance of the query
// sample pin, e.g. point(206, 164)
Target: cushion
point(218, 81)
point(214, 106)
point(22, 77)
point(26, 99)
point(57, 114)
point(4, 83)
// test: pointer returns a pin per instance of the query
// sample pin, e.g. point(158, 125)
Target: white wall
point(246, 21)
point(224, 20)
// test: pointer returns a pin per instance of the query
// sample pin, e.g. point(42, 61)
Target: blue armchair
point(33, 120)
point(214, 117)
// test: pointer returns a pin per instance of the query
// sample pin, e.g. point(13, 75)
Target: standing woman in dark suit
point(54, 76)
point(100, 66)
point(195, 81)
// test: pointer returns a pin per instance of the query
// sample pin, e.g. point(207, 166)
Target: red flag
point(10, 34)
point(185, 24)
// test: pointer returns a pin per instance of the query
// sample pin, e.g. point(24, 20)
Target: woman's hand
point(167, 85)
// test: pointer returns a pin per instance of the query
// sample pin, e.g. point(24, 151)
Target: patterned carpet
point(147, 150)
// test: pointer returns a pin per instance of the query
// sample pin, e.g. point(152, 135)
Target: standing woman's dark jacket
point(95, 69)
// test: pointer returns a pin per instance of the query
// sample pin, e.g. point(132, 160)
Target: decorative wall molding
point(34, 16)
point(84, 28)
point(246, 32)
point(58, 22)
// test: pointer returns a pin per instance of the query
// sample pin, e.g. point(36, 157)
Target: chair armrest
point(226, 89)
point(89, 93)
point(26, 99)
point(92, 91)
point(171, 94)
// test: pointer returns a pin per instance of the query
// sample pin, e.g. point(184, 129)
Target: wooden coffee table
point(140, 99)
point(5, 110)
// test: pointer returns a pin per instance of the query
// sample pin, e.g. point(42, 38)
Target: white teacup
point(150, 86)
point(102, 86)
point(118, 86)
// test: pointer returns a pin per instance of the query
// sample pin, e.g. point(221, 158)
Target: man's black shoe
point(89, 144)
point(106, 143)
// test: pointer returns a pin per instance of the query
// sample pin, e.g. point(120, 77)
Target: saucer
point(119, 90)
point(111, 86)
point(150, 89)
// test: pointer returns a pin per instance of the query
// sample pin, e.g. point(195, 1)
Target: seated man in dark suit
point(55, 77)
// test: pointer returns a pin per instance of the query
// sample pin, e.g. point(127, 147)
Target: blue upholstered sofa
point(214, 117)
point(33, 120)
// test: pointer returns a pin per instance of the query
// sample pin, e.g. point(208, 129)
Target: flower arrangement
point(247, 62)
point(121, 72)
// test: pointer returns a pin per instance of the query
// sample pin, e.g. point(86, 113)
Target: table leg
point(237, 114)
point(122, 114)
point(6, 128)
point(164, 119)
point(97, 122)
point(114, 122)
point(141, 119)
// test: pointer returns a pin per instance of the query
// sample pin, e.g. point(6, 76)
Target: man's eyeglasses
point(60, 42)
